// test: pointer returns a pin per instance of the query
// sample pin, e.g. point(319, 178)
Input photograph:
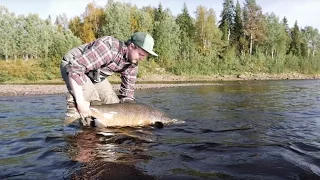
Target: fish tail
point(70, 117)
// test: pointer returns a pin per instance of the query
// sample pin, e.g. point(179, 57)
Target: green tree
point(276, 41)
point(7, 29)
point(62, 21)
point(31, 37)
point(117, 20)
point(288, 33)
point(317, 45)
point(75, 25)
point(240, 41)
point(62, 42)
point(208, 41)
point(186, 22)
point(94, 17)
point(166, 41)
point(21, 36)
point(46, 36)
point(150, 11)
point(226, 24)
point(295, 45)
point(207, 33)
point(159, 14)
point(187, 34)
point(311, 35)
point(140, 20)
point(32, 40)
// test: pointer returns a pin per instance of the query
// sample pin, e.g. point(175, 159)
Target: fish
point(125, 114)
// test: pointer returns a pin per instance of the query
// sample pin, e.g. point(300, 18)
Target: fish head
point(168, 120)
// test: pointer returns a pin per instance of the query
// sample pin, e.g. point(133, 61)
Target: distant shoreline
point(29, 90)
point(153, 81)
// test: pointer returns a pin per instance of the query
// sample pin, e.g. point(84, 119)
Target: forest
point(244, 39)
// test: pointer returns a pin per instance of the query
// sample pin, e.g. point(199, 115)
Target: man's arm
point(128, 80)
point(82, 104)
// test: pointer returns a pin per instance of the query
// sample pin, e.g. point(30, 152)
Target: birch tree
point(254, 24)
point(207, 32)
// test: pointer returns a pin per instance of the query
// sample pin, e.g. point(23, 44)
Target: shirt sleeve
point(96, 54)
point(128, 80)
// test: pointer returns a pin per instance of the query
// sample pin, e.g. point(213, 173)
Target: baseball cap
point(144, 41)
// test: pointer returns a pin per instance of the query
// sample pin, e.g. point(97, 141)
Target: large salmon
point(125, 114)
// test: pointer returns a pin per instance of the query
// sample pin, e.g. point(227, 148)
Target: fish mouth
point(177, 121)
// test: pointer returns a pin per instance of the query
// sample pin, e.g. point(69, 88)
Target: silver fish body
point(125, 114)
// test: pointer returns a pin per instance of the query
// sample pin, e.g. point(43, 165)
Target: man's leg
point(106, 92)
point(89, 91)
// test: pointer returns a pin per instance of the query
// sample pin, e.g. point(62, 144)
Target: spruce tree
point(239, 40)
point(226, 24)
point(295, 45)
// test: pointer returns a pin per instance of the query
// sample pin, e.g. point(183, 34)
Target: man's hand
point(127, 100)
point(83, 106)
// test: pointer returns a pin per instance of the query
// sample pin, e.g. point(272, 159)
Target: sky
point(304, 12)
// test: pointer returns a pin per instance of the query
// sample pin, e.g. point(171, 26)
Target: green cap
point(144, 41)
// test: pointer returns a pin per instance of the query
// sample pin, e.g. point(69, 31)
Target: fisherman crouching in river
point(85, 70)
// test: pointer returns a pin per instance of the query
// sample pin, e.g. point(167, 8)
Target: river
point(235, 130)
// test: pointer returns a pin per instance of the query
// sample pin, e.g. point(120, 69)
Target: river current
point(234, 130)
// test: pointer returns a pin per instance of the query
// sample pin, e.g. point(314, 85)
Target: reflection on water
point(111, 153)
point(238, 130)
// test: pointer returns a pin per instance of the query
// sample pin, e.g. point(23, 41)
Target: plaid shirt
point(103, 54)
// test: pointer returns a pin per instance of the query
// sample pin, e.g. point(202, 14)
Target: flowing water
point(236, 130)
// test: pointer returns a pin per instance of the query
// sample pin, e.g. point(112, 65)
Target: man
point(85, 68)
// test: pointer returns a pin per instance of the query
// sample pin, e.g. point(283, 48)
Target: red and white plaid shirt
point(104, 54)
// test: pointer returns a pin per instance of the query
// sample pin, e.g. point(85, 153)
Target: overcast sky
point(305, 12)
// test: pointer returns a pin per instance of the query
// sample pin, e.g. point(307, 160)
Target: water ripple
point(247, 130)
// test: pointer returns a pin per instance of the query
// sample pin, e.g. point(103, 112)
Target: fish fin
point(98, 116)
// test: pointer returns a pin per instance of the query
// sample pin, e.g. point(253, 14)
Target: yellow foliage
point(21, 69)
point(87, 34)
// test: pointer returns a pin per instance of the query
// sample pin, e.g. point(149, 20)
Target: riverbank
point(146, 82)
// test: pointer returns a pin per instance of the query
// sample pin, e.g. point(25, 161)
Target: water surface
point(237, 130)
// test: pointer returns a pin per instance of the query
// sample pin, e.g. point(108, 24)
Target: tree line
point(244, 39)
